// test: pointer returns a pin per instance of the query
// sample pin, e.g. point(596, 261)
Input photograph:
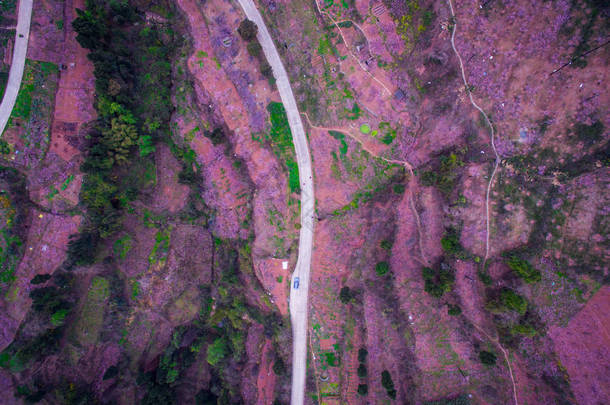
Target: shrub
point(362, 373)
point(454, 310)
point(524, 329)
point(524, 269)
point(382, 268)
point(398, 188)
point(331, 359)
point(487, 358)
point(254, 48)
point(247, 30)
point(513, 301)
point(345, 295)
point(388, 384)
point(279, 367)
point(438, 281)
point(217, 351)
point(363, 389)
point(386, 244)
point(266, 70)
point(447, 174)
point(362, 353)
point(40, 278)
point(589, 134)
point(484, 277)
point(111, 372)
point(450, 242)
point(217, 136)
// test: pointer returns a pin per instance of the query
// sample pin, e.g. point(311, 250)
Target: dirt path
point(336, 24)
point(489, 185)
point(412, 179)
point(20, 50)
point(491, 130)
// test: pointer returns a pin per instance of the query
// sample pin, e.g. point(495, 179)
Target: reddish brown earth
point(548, 203)
point(582, 346)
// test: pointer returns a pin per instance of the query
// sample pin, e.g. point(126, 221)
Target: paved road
point(19, 51)
point(298, 297)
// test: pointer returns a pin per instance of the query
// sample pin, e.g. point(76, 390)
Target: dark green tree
point(247, 30)
point(487, 358)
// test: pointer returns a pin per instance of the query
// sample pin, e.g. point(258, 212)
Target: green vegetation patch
point(524, 269)
point(122, 246)
point(487, 358)
point(388, 384)
point(446, 176)
point(382, 268)
point(36, 94)
point(387, 132)
point(513, 301)
point(365, 128)
point(161, 247)
point(281, 141)
point(439, 280)
point(88, 325)
point(341, 138)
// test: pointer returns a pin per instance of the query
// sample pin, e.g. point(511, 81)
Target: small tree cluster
point(438, 281)
point(388, 384)
point(363, 389)
point(248, 30)
point(524, 269)
point(513, 301)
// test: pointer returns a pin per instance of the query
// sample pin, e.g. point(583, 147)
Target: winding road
point(20, 50)
point(298, 296)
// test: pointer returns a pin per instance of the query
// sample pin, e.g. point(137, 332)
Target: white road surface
point(15, 75)
point(298, 297)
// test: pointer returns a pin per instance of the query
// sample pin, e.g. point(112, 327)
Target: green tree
point(146, 145)
point(438, 281)
point(386, 244)
point(247, 30)
point(279, 367)
point(454, 310)
point(217, 351)
point(254, 49)
point(345, 295)
point(524, 329)
point(362, 372)
point(363, 389)
point(382, 268)
point(120, 137)
point(524, 269)
point(388, 384)
point(450, 243)
point(487, 358)
point(513, 301)
point(362, 353)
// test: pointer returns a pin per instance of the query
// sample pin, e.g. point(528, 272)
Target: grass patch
point(281, 141)
point(92, 315)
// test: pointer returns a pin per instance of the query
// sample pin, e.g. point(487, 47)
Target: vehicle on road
point(295, 285)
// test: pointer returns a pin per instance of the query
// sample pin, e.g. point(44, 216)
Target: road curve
point(20, 50)
point(298, 297)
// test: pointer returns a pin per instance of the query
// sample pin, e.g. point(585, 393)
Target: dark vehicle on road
point(296, 283)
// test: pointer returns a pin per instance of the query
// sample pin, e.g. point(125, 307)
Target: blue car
point(296, 283)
